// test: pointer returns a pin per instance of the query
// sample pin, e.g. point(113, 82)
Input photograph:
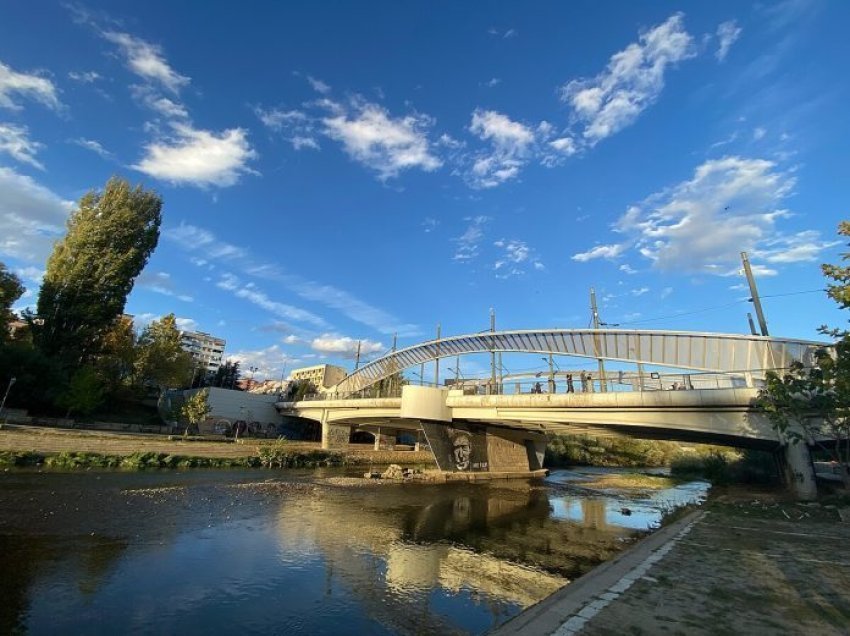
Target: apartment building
point(207, 351)
point(323, 376)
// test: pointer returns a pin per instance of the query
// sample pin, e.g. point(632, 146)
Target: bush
point(727, 467)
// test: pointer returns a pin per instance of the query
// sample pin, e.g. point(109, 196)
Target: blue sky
point(335, 172)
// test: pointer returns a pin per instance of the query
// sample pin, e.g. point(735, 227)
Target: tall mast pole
point(754, 293)
point(603, 386)
point(437, 360)
point(492, 352)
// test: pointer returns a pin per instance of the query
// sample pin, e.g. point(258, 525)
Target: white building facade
point(207, 351)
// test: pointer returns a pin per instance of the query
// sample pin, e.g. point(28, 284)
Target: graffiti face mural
point(461, 450)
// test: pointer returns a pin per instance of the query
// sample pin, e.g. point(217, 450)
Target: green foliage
point(195, 409)
point(722, 468)
point(116, 362)
point(160, 360)
point(84, 393)
point(298, 390)
point(583, 450)
point(110, 236)
point(10, 290)
point(40, 379)
point(227, 375)
point(277, 455)
point(812, 404)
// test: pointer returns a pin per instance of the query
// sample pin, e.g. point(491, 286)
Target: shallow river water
point(203, 552)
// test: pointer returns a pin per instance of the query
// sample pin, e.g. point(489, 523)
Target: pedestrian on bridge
point(570, 387)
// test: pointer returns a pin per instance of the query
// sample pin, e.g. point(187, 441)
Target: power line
point(716, 307)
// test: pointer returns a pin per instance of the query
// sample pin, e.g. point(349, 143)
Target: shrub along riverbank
point(272, 455)
point(719, 465)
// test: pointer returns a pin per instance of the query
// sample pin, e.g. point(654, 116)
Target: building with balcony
point(207, 351)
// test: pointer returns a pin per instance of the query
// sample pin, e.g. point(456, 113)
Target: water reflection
point(199, 553)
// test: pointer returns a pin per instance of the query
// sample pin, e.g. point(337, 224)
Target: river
point(287, 552)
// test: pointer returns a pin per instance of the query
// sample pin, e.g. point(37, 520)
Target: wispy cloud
point(84, 77)
point(702, 225)
point(345, 346)
point(388, 145)
point(27, 85)
point(727, 34)
point(161, 283)
point(515, 257)
point(468, 242)
point(15, 141)
point(192, 238)
point(251, 293)
point(632, 81)
point(318, 85)
point(510, 147)
point(94, 146)
point(147, 61)
point(32, 217)
point(295, 126)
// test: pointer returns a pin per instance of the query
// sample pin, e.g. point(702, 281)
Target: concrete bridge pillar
point(799, 471)
point(334, 436)
point(385, 438)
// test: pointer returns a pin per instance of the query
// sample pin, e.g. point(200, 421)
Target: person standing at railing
point(570, 387)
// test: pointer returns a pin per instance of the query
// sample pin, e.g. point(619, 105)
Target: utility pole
point(551, 374)
point(457, 370)
point(603, 386)
point(752, 324)
point(395, 366)
point(357, 356)
point(754, 293)
point(437, 360)
point(492, 351)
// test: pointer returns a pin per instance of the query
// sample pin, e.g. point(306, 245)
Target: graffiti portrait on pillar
point(468, 449)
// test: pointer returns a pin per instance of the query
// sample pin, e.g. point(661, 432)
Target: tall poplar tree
point(110, 236)
point(10, 290)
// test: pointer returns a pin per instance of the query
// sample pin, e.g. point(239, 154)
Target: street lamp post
point(552, 364)
point(8, 388)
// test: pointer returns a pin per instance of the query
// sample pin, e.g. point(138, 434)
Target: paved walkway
point(752, 568)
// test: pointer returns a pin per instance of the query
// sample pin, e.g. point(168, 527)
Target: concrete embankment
point(751, 567)
point(53, 441)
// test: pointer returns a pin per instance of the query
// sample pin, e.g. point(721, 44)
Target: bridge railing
point(565, 381)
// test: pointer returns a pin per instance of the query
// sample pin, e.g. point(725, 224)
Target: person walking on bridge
point(570, 387)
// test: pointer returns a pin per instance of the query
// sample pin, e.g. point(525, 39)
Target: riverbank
point(28, 445)
point(748, 562)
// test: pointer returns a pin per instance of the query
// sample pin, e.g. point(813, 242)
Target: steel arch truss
point(710, 352)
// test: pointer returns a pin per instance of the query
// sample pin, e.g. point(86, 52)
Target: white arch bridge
point(501, 433)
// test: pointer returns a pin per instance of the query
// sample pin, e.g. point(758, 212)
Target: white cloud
point(192, 238)
point(492, 82)
point(146, 60)
point(154, 100)
point(666, 292)
point(467, 243)
point(198, 157)
point(345, 346)
point(31, 217)
point(511, 144)
point(252, 294)
point(15, 141)
point(293, 125)
point(94, 146)
point(727, 33)
point(702, 225)
point(84, 77)
point(516, 255)
point(160, 282)
point(430, 224)
point(759, 133)
point(627, 269)
point(318, 85)
point(601, 251)
point(269, 361)
point(186, 324)
point(292, 339)
point(565, 145)
point(34, 87)
point(631, 83)
point(640, 291)
point(384, 144)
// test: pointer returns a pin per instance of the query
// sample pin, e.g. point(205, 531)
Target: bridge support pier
point(385, 438)
point(799, 471)
point(335, 436)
